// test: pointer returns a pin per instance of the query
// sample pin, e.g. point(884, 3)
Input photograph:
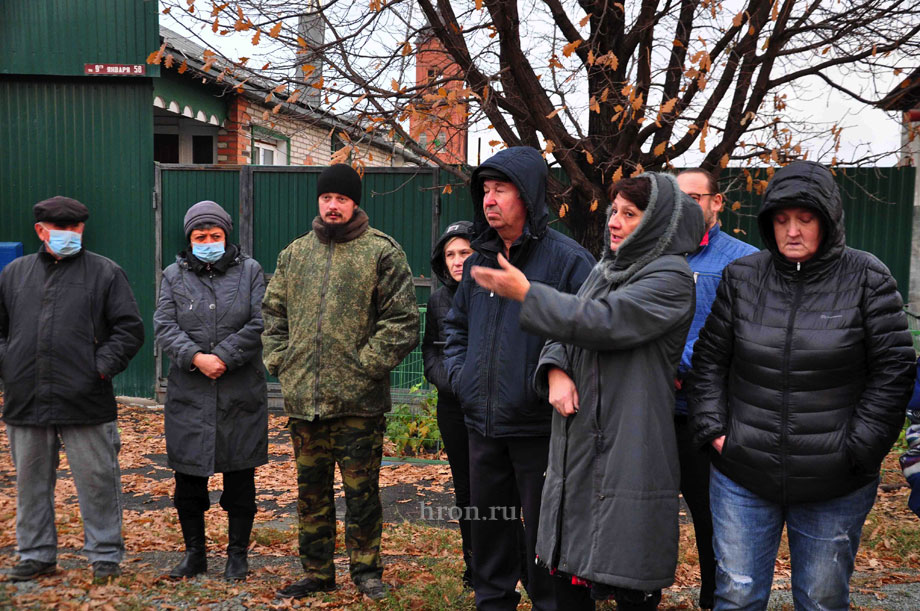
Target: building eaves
point(904, 97)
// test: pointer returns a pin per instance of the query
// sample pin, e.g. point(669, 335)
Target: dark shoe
point(238, 531)
point(30, 569)
point(373, 588)
point(104, 571)
point(467, 579)
point(196, 560)
point(305, 587)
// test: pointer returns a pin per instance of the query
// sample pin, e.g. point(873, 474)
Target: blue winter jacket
point(707, 264)
point(490, 361)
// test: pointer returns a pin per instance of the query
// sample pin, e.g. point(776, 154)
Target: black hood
point(805, 184)
point(672, 224)
point(460, 229)
point(525, 167)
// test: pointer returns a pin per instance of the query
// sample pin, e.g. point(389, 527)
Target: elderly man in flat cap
point(68, 325)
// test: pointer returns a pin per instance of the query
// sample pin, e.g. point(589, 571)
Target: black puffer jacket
point(490, 360)
point(438, 306)
point(67, 326)
point(805, 368)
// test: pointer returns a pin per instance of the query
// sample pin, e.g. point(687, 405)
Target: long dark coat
point(610, 500)
point(214, 425)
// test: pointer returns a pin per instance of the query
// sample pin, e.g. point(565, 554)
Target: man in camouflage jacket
point(339, 314)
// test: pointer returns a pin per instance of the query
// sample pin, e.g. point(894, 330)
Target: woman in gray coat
point(208, 321)
point(610, 499)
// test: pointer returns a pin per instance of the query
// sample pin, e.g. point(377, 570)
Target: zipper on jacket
point(490, 379)
point(318, 342)
point(787, 354)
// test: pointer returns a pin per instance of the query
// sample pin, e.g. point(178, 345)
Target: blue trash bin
point(9, 251)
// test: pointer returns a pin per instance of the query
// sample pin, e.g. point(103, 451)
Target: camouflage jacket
point(339, 314)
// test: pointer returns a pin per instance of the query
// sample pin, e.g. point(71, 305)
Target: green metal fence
point(411, 372)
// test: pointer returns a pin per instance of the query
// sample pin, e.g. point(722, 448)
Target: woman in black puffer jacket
point(447, 258)
point(801, 376)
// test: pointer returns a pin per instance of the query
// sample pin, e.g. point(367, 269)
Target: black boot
point(467, 542)
point(196, 560)
point(238, 530)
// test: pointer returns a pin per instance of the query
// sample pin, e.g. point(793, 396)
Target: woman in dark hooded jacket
point(208, 321)
point(800, 379)
point(610, 501)
point(447, 259)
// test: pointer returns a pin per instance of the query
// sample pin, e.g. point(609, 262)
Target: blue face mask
point(208, 253)
point(64, 243)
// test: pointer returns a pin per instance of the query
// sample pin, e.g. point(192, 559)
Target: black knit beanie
point(340, 178)
point(207, 213)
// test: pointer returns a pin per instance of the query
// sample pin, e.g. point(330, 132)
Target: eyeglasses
point(698, 196)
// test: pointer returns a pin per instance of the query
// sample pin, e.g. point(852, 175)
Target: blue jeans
point(823, 539)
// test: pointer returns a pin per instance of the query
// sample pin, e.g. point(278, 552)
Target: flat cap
point(60, 210)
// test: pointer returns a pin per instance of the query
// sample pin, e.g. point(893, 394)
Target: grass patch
point(886, 535)
point(269, 537)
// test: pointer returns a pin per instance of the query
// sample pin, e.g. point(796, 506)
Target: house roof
point(256, 89)
point(904, 97)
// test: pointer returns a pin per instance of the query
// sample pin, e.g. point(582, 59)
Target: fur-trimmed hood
point(671, 225)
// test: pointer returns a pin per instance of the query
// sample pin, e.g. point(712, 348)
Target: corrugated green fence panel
point(182, 188)
point(878, 212)
point(60, 36)
point(284, 205)
point(401, 205)
point(91, 139)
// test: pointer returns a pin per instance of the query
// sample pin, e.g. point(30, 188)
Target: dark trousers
point(694, 485)
point(237, 498)
point(457, 446)
point(506, 482)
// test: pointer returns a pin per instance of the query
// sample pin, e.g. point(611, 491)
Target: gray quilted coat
point(214, 425)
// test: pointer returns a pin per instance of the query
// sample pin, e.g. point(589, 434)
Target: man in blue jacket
point(717, 250)
point(490, 364)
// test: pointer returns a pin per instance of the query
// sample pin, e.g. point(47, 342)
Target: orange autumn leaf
point(568, 49)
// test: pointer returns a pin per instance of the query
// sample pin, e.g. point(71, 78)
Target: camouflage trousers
point(356, 445)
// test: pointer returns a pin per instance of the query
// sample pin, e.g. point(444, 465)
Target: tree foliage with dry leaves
point(605, 89)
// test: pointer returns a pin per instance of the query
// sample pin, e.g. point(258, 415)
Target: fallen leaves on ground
point(422, 560)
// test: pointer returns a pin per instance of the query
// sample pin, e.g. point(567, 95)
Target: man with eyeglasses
point(717, 250)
